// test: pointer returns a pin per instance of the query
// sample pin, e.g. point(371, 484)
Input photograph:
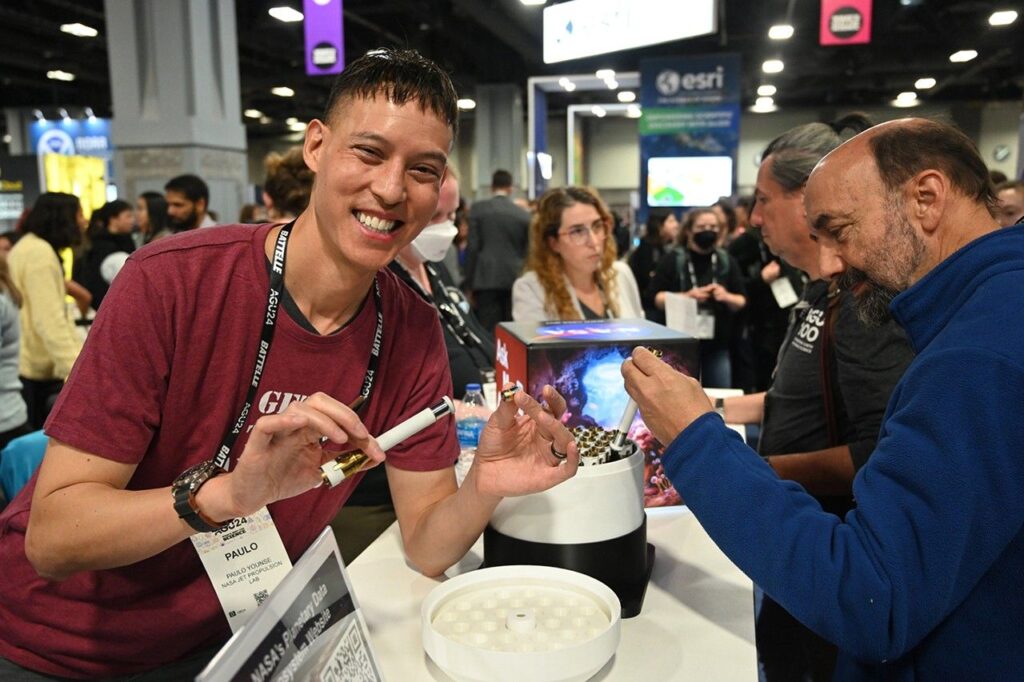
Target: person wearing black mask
point(700, 270)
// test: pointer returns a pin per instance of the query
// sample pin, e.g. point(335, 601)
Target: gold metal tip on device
point(656, 351)
point(350, 462)
point(508, 393)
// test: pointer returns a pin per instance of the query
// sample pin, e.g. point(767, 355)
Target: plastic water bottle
point(470, 418)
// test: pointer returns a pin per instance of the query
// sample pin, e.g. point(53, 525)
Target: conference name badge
point(784, 293)
point(245, 560)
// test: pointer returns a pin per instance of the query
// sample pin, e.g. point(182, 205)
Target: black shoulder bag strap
point(681, 262)
point(828, 364)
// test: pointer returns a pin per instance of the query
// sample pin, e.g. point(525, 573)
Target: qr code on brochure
point(260, 596)
point(351, 660)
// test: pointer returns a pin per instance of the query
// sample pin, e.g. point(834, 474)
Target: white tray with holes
point(521, 623)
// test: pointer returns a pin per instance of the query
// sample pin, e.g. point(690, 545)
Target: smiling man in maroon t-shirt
point(99, 580)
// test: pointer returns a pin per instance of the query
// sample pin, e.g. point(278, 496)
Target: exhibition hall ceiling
point(499, 41)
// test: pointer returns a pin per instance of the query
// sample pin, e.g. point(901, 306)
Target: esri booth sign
point(845, 22)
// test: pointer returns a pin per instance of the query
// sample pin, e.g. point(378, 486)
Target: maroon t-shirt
point(162, 376)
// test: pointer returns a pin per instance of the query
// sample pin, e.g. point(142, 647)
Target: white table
point(697, 621)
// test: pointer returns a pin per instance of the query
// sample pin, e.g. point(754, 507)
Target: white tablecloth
point(697, 622)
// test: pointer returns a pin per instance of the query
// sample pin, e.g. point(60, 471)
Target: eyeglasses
point(578, 234)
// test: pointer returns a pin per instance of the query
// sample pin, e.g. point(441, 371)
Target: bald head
point(896, 200)
point(903, 149)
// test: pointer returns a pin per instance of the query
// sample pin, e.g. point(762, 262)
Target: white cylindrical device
point(598, 503)
point(351, 462)
point(627, 420)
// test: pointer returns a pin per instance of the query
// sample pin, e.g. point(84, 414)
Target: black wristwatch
point(184, 491)
point(720, 407)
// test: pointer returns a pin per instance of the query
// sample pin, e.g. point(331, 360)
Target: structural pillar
point(500, 141)
point(176, 98)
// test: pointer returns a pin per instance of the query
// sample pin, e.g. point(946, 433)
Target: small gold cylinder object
point(350, 463)
point(509, 393)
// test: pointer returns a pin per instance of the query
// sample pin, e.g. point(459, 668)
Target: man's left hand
point(515, 454)
point(669, 401)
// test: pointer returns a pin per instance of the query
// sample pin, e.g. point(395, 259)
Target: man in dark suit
point(498, 238)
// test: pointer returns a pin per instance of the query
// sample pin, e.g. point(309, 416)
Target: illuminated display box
point(582, 361)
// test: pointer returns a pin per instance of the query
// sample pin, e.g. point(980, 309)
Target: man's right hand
point(283, 455)
point(669, 400)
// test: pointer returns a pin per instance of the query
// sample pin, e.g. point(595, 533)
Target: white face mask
point(432, 243)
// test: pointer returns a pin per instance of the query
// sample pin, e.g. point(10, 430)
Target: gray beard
point(872, 300)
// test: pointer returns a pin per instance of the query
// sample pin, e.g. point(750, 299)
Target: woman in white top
point(571, 271)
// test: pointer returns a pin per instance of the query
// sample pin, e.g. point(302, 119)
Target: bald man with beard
point(922, 580)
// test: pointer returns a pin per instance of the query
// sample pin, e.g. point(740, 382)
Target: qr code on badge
point(260, 596)
point(351, 660)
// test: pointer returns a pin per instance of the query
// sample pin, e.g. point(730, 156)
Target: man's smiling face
point(379, 167)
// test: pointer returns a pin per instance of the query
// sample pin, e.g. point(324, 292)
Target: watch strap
point(184, 491)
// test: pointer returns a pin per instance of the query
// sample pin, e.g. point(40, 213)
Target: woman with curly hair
point(287, 186)
point(571, 272)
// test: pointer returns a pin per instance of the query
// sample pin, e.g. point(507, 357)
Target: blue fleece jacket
point(924, 580)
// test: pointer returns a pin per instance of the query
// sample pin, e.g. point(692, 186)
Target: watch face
point(194, 475)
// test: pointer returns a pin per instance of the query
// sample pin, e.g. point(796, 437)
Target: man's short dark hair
point(192, 186)
point(401, 76)
point(797, 151)
point(501, 179)
point(902, 152)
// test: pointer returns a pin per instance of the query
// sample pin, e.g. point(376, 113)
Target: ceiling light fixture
point(566, 84)
point(286, 14)
point(1002, 18)
point(81, 30)
point(612, 84)
point(59, 75)
point(291, 120)
point(282, 91)
point(253, 113)
point(7, 138)
point(264, 120)
point(634, 111)
point(924, 83)
point(766, 90)
point(297, 127)
point(38, 114)
point(605, 74)
point(764, 105)
point(599, 111)
point(89, 113)
point(780, 32)
point(963, 56)
point(773, 66)
point(64, 114)
point(627, 96)
point(467, 104)
point(906, 99)
point(530, 3)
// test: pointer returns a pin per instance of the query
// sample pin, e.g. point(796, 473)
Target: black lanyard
point(693, 273)
point(222, 459)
